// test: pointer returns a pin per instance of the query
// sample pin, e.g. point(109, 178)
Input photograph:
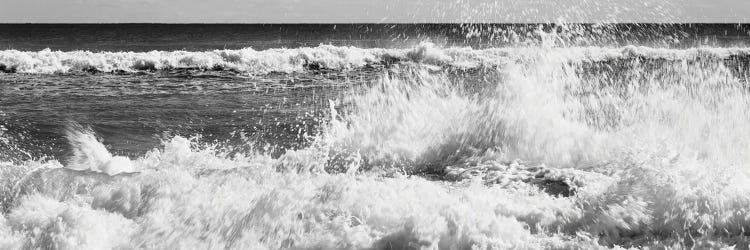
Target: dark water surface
point(198, 37)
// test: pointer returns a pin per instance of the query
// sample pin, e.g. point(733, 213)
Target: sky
point(372, 11)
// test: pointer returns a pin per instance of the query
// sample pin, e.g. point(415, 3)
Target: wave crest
point(329, 57)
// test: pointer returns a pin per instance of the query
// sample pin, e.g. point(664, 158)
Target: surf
point(328, 57)
point(447, 148)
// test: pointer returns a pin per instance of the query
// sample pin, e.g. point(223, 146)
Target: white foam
point(53, 224)
point(90, 154)
point(245, 203)
point(252, 61)
point(658, 158)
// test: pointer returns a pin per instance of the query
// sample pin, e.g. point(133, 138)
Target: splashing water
point(524, 148)
point(90, 154)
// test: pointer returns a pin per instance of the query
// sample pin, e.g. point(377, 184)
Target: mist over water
point(551, 142)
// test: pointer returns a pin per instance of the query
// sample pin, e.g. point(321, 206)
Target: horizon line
point(414, 23)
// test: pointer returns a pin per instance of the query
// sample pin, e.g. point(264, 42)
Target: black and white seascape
point(507, 124)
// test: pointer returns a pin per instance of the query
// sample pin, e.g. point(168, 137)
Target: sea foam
point(330, 57)
point(651, 154)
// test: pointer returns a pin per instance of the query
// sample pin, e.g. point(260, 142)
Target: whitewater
point(250, 61)
point(439, 147)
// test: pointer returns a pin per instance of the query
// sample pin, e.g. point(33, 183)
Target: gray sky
point(372, 11)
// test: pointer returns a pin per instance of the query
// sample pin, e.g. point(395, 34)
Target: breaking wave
point(325, 57)
point(560, 150)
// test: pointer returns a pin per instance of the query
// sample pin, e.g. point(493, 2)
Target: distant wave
point(329, 57)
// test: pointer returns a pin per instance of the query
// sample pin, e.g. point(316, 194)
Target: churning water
point(386, 144)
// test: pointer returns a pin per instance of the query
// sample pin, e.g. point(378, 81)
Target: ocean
point(374, 136)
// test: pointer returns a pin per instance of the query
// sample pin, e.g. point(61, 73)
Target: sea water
point(374, 136)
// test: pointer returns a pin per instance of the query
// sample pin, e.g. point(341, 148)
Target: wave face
point(441, 148)
point(326, 57)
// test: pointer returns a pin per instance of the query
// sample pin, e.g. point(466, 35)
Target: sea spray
point(539, 147)
point(90, 154)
